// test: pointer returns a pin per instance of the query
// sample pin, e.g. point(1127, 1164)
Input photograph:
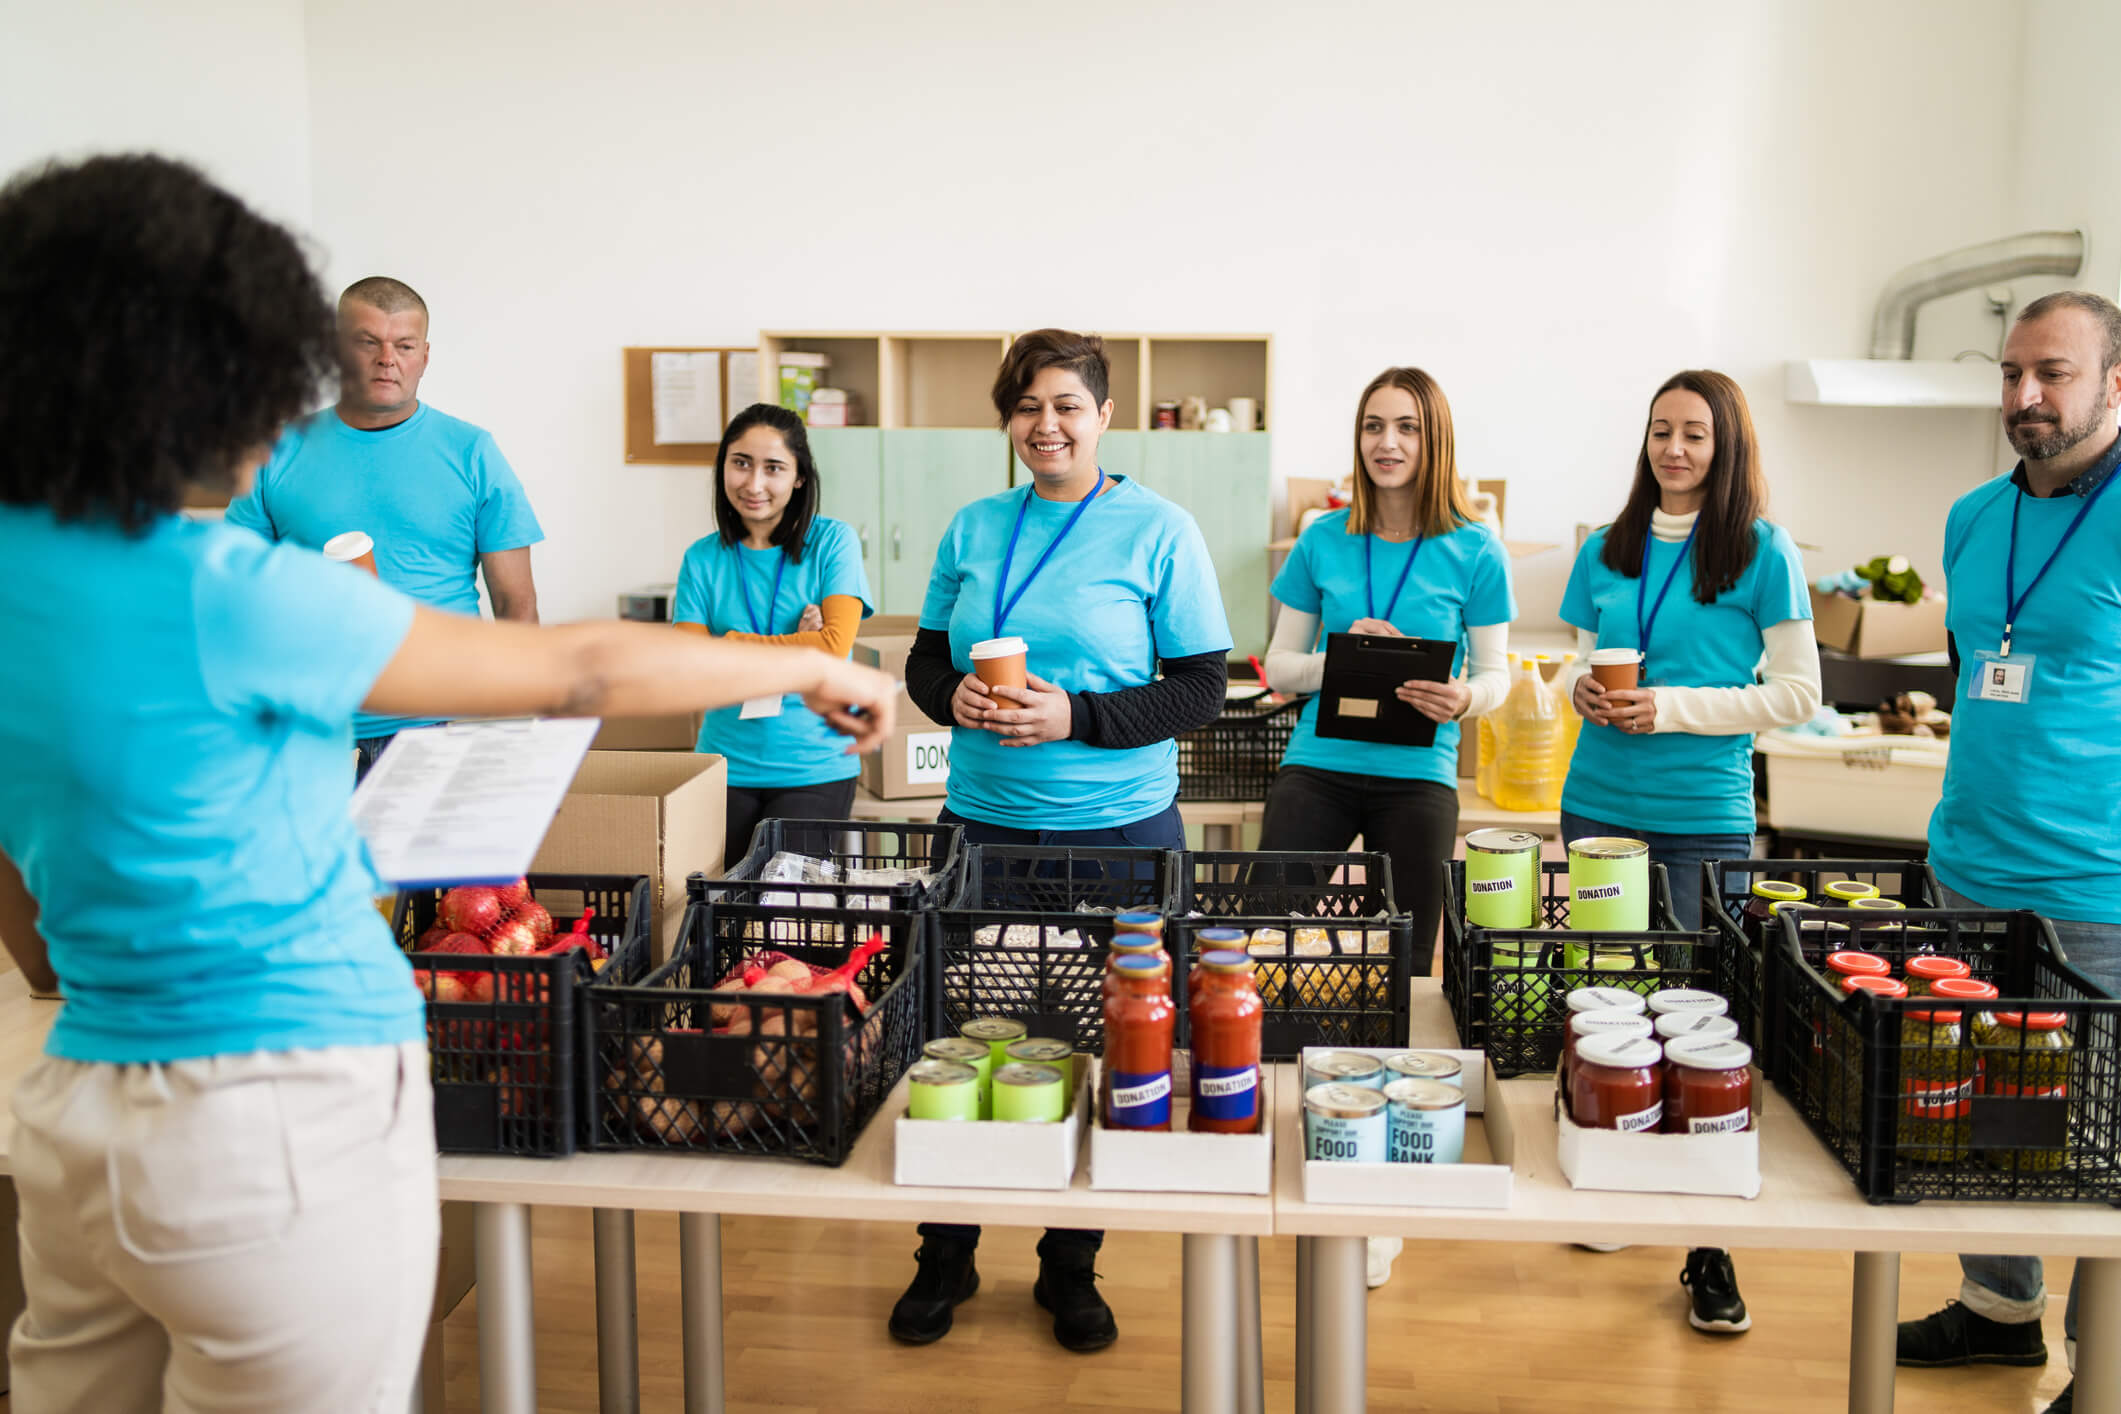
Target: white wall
point(223, 83)
point(2069, 143)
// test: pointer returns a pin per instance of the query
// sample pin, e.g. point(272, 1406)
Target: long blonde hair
point(1440, 504)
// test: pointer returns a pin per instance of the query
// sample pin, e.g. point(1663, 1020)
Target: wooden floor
point(1472, 1328)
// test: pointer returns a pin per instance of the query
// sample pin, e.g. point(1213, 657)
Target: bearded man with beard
point(2031, 811)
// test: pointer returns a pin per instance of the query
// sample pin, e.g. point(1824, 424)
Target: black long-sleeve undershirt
point(1188, 695)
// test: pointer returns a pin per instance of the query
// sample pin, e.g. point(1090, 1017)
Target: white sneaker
point(1383, 1251)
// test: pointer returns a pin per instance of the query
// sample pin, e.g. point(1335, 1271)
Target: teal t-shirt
point(795, 748)
point(1131, 584)
point(1457, 581)
point(433, 492)
point(2031, 811)
point(175, 788)
point(1677, 782)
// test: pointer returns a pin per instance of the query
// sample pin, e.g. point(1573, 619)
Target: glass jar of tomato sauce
point(1617, 1085)
point(1708, 1087)
point(1139, 1018)
point(1226, 1012)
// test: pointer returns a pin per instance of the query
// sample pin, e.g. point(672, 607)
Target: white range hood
point(1893, 383)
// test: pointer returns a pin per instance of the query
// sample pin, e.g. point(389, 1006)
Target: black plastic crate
point(1519, 1015)
point(1356, 993)
point(674, 1065)
point(504, 1066)
point(1028, 933)
point(1235, 756)
point(1726, 890)
point(1913, 1115)
point(861, 844)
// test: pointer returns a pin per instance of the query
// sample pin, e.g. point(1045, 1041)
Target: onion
point(473, 908)
point(512, 939)
point(537, 918)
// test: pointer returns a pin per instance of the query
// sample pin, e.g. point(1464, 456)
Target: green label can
point(1425, 1122)
point(1610, 963)
point(1029, 1094)
point(1517, 989)
point(1041, 1050)
point(942, 1089)
point(1502, 879)
point(995, 1032)
point(1609, 885)
point(963, 1050)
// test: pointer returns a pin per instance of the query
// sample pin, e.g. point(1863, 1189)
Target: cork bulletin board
point(641, 445)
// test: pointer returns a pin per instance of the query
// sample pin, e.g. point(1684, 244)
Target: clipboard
point(1356, 703)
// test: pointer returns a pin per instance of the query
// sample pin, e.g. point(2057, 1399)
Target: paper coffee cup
point(999, 662)
point(1616, 667)
point(352, 548)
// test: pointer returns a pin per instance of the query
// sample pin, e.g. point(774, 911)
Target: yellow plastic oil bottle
point(1529, 769)
point(1571, 719)
point(1484, 759)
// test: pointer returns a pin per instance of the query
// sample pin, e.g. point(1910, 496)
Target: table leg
point(508, 1350)
point(1251, 1364)
point(1339, 1325)
point(2098, 1333)
point(1219, 837)
point(1874, 1318)
point(1208, 1373)
point(618, 1302)
point(700, 1274)
point(1306, 1309)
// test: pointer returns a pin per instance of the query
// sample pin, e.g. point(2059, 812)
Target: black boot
point(1067, 1286)
point(946, 1277)
point(2065, 1402)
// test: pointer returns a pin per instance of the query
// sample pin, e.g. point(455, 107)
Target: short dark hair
point(1032, 353)
point(154, 331)
point(2097, 306)
point(794, 528)
point(382, 292)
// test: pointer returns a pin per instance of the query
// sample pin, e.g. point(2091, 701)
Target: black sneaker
point(1956, 1336)
point(1067, 1286)
point(2065, 1402)
point(1714, 1304)
point(947, 1276)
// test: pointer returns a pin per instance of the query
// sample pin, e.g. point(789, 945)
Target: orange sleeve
point(842, 614)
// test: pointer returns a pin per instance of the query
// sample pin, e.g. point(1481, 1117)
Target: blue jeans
point(2013, 1289)
point(1681, 855)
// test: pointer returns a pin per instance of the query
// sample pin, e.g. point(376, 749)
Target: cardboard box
point(1867, 628)
point(914, 761)
point(678, 732)
point(1472, 1184)
point(1178, 1161)
point(1865, 787)
point(934, 1153)
point(659, 813)
point(1723, 1165)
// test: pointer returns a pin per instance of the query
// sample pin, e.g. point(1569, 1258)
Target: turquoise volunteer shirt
point(1458, 581)
point(2031, 811)
point(1677, 782)
point(1130, 585)
point(174, 789)
point(795, 748)
point(433, 492)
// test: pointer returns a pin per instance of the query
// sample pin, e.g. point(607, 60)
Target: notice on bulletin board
point(468, 802)
point(743, 382)
point(687, 394)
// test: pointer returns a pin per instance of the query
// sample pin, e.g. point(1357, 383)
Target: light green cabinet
point(927, 475)
point(1118, 454)
point(850, 474)
point(1225, 479)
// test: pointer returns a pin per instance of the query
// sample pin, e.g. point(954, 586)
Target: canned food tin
point(963, 1050)
point(1609, 885)
point(1502, 879)
point(1030, 1094)
point(940, 1089)
point(1346, 1067)
point(1425, 1122)
point(1426, 1065)
point(1344, 1124)
point(996, 1031)
point(1042, 1050)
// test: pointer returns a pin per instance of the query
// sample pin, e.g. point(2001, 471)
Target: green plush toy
point(1892, 579)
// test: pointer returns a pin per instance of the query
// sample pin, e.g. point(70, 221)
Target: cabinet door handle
point(896, 548)
point(865, 541)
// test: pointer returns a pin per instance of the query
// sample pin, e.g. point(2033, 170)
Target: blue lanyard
point(1005, 602)
point(1369, 582)
point(1643, 626)
point(2013, 601)
point(743, 581)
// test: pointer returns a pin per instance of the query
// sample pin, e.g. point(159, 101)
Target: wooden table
point(1806, 1202)
point(1477, 812)
point(1222, 822)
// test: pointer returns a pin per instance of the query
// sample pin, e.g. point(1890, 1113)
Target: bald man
point(432, 492)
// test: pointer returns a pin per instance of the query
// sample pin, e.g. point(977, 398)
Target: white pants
point(248, 1234)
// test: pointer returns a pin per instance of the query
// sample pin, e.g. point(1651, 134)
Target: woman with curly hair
point(225, 1160)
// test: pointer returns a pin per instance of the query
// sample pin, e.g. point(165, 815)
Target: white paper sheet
point(743, 381)
point(687, 397)
point(468, 802)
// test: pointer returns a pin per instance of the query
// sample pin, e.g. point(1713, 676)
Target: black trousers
point(748, 805)
point(366, 750)
point(1164, 830)
point(1414, 823)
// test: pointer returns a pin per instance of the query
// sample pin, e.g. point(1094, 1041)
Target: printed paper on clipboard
point(1357, 702)
point(469, 802)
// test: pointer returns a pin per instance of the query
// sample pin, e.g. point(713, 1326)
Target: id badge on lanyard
point(761, 706)
point(1999, 679)
point(2005, 675)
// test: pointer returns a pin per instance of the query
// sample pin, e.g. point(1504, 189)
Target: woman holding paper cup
point(1694, 632)
point(774, 571)
point(1072, 629)
point(234, 1098)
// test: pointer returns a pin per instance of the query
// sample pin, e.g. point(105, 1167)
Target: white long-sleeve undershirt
point(1293, 668)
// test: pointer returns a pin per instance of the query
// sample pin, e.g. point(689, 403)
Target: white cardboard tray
point(1461, 1185)
point(1720, 1165)
point(1138, 1161)
point(939, 1153)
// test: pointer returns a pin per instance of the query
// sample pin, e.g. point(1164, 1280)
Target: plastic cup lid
point(1701, 1053)
point(1606, 999)
point(1606, 657)
point(350, 546)
point(1848, 963)
point(997, 647)
point(1874, 984)
point(1610, 1023)
point(1619, 1052)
